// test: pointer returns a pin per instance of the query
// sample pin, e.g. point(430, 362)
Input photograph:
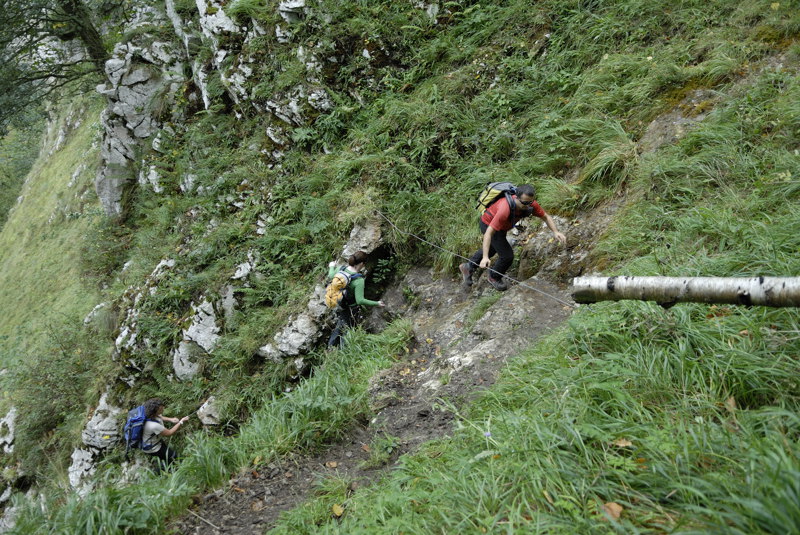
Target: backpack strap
point(343, 271)
point(350, 278)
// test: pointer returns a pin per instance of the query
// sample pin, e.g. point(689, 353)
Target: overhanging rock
point(365, 236)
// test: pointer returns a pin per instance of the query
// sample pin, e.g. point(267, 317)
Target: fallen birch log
point(666, 291)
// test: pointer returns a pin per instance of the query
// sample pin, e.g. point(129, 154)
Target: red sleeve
point(538, 211)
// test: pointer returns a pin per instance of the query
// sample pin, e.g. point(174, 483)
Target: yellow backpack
point(337, 289)
point(494, 191)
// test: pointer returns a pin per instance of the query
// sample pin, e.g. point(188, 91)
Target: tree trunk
point(80, 16)
point(666, 291)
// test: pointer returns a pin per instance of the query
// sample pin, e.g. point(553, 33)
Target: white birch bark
point(666, 291)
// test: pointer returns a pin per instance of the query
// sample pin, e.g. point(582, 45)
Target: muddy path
point(454, 356)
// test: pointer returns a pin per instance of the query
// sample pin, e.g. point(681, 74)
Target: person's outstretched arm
point(174, 428)
point(358, 289)
point(552, 226)
point(487, 244)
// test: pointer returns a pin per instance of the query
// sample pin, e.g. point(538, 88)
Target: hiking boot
point(466, 274)
point(498, 284)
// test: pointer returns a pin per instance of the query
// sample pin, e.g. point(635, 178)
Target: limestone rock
point(186, 360)
point(292, 10)
point(7, 427)
point(320, 100)
point(199, 339)
point(214, 21)
point(9, 519)
point(295, 338)
point(181, 27)
point(209, 412)
point(117, 152)
point(244, 269)
point(203, 330)
point(228, 302)
point(103, 429)
point(127, 338)
point(673, 125)
point(365, 236)
point(95, 312)
point(132, 470)
point(301, 333)
point(138, 77)
point(316, 305)
point(81, 470)
point(431, 8)
point(283, 36)
point(150, 177)
point(289, 107)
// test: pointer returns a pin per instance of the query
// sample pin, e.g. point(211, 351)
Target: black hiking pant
point(164, 457)
point(499, 246)
point(345, 318)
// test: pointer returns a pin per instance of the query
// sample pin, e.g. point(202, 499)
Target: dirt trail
point(454, 357)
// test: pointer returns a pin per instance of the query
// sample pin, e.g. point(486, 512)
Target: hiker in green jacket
point(352, 298)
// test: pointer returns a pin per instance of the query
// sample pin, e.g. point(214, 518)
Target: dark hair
point(526, 189)
point(151, 407)
point(358, 258)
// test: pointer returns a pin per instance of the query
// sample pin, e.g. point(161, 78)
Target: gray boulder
point(81, 470)
point(209, 413)
point(366, 236)
point(186, 360)
point(103, 429)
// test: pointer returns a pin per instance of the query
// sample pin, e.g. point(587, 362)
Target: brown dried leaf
point(613, 510)
point(337, 510)
point(730, 404)
point(331, 464)
point(622, 443)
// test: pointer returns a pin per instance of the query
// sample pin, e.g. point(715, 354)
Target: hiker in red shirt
point(495, 222)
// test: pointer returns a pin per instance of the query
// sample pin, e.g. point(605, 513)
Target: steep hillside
point(244, 145)
point(41, 271)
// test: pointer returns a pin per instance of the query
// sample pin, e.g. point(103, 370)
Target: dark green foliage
point(46, 389)
point(105, 251)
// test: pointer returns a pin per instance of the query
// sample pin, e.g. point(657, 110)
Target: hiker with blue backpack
point(503, 206)
point(145, 430)
point(345, 294)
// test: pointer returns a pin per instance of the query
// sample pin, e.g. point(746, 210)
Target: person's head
point(526, 194)
point(358, 259)
point(153, 408)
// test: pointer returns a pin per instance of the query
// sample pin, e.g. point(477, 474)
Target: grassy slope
point(466, 101)
point(40, 269)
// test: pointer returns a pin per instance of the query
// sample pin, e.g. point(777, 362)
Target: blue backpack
point(134, 430)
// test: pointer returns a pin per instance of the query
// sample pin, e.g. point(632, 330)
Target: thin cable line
point(467, 259)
